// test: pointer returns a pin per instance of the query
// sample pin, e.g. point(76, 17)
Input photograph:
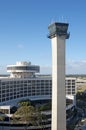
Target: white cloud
point(76, 67)
point(20, 46)
point(45, 69)
point(72, 67)
point(3, 69)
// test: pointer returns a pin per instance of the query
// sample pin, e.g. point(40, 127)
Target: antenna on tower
point(52, 20)
point(62, 19)
point(66, 21)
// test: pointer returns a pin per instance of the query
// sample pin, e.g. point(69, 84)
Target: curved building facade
point(23, 83)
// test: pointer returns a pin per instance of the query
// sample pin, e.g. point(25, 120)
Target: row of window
point(16, 89)
point(19, 95)
point(70, 92)
point(25, 82)
point(33, 82)
point(33, 68)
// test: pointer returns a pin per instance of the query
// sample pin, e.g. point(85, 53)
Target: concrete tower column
point(58, 34)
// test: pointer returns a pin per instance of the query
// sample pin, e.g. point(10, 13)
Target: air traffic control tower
point(58, 34)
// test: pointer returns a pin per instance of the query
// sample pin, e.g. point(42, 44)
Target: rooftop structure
point(59, 29)
point(23, 70)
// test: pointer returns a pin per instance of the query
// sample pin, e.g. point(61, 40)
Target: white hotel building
point(23, 83)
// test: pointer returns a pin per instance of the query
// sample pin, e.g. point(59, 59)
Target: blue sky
point(24, 29)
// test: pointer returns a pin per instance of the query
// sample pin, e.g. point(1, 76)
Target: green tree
point(24, 114)
point(41, 118)
point(2, 118)
point(29, 115)
point(24, 102)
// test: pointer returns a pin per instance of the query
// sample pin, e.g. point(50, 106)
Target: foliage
point(24, 102)
point(29, 115)
point(81, 96)
point(81, 88)
point(45, 107)
point(71, 127)
point(24, 113)
point(2, 118)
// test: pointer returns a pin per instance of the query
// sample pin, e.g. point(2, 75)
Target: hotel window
point(14, 96)
point(33, 94)
point(11, 93)
point(38, 87)
point(38, 82)
point(14, 82)
point(11, 97)
point(11, 82)
point(73, 86)
point(18, 96)
point(42, 93)
point(7, 82)
point(25, 82)
point(21, 82)
point(3, 95)
point(73, 83)
point(47, 92)
point(73, 92)
point(25, 94)
point(3, 87)
point(29, 81)
point(14, 93)
point(7, 98)
point(3, 83)
point(3, 99)
point(7, 94)
point(25, 89)
point(68, 86)
point(38, 93)
point(29, 94)
point(69, 92)
point(3, 91)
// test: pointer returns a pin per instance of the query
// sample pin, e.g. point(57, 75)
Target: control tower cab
point(23, 70)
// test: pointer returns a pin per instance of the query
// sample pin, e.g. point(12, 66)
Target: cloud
point(76, 67)
point(20, 46)
point(3, 69)
point(45, 69)
point(72, 67)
